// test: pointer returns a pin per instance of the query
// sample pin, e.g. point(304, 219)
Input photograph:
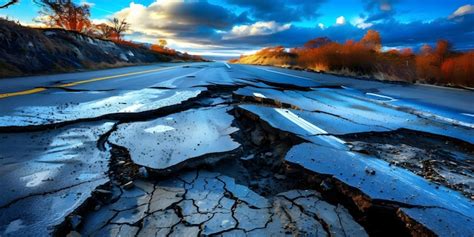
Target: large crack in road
point(250, 159)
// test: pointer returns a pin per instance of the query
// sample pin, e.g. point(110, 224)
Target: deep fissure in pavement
point(138, 197)
point(258, 164)
point(443, 161)
point(377, 218)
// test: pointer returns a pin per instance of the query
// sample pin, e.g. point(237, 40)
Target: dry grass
point(276, 56)
point(438, 65)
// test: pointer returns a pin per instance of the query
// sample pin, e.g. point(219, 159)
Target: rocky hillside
point(29, 51)
point(274, 56)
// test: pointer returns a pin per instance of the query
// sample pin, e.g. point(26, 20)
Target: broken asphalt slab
point(47, 175)
point(164, 143)
point(345, 106)
point(436, 158)
point(382, 182)
point(71, 106)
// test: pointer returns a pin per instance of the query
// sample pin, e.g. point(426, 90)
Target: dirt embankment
point(30, 51)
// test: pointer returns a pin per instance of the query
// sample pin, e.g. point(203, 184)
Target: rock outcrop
point(28, 51)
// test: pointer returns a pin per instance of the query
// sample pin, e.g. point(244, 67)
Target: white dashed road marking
point(382, 96)
point(466, 114)
point(302, 123)
point(286, 74)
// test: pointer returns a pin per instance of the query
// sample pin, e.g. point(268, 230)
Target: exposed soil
point(442, 160)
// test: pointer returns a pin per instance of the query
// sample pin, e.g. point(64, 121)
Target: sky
point(233, 27)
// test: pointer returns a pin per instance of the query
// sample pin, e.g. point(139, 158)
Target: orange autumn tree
point(160, 47)
point(430, 60)
point(459, 70)
point(65, 14)
point(436, 65)
point(372, 40)
point(105, 31)
point(322, 54)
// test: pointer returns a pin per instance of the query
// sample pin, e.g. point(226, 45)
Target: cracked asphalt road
point(216, 150)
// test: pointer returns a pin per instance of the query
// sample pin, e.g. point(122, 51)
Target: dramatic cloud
point(458, 30)
point(257, 29)
point(180, 19)
point(462, 11)
point(281, 10)
point(297, 36)
point(413, 34)
point(200, 26)
point(239, 26)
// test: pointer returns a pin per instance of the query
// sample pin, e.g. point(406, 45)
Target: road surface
point(204, 148)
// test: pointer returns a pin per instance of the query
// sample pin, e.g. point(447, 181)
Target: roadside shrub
point(438, 65)
point(459, 70)
point(163, 50)
point(351, 56)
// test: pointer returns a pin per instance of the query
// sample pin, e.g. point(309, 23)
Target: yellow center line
point(27, 92)
point(41, 89)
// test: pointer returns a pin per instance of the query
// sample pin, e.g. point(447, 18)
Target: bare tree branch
point(9, 3)
point(119, 26)
point(105, 31)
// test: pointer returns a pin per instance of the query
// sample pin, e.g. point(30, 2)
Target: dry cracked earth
point(244, 157)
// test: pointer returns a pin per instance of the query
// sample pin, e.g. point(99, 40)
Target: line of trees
point(434, 65)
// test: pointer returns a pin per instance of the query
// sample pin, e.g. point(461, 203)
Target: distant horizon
point(227, 28)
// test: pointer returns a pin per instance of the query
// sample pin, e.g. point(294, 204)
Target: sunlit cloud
point(341, 20)
point(360, 22)
point(258, 28)
point(462, 11)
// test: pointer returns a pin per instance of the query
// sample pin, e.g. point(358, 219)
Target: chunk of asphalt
point(385, 182)
point(165, 143)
